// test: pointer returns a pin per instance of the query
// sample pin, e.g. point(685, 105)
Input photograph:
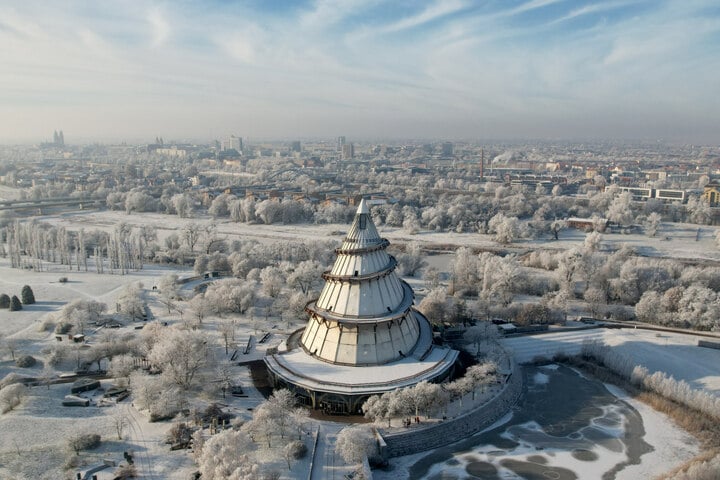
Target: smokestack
point(482, 163)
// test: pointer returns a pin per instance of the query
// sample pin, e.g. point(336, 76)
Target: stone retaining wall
point(397, 444)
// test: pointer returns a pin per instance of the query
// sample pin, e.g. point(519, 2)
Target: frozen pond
point(566, 427)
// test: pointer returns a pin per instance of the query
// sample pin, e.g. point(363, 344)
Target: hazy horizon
point(544, 69)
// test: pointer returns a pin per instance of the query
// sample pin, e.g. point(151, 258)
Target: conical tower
point(364, 315)
point(363, 337)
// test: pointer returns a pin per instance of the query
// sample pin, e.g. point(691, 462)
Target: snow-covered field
point(673, 353)
point(33, 437)
point(675, 240)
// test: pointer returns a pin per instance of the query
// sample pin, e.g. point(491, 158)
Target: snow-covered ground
point(673, 353)
point(675, 240)
point(33, 436)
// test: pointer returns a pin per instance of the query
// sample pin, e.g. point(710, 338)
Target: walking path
point(327, 465)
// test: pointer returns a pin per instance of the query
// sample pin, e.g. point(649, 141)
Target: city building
point(364, 337)
point(348, 151)
point(232, 143)
point(340, 143)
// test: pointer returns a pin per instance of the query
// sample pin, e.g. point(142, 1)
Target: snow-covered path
point(327, 465)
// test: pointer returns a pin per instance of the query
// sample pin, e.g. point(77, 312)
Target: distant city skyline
point(455, 69)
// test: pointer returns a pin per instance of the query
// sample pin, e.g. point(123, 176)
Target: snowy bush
point(10, 379)
point(63, 327)
point(296, 449)
point(658, 382)
point(11, 396)
point(25, 361)
point(126, 471)
point(83, 441)
point(179, 433)
point(46, 324)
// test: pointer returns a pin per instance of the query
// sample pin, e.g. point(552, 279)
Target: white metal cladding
point(360, 264)
point(364, 314)
point(363, 344)
point(375, 296)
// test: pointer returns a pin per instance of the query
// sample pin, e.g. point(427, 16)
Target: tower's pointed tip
point(363, 207)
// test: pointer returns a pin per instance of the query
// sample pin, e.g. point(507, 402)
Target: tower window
point(363, 222)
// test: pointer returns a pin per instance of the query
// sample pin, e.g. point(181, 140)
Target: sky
point(130, 70)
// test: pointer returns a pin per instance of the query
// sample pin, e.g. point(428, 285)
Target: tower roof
point(362, 233)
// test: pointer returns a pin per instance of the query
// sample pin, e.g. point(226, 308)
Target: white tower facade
point(363, 337)
point(365, 314)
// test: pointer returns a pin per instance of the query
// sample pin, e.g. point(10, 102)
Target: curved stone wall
point(397, 444)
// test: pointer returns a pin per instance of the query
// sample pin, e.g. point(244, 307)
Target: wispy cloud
point(159, 27)
point(357, 67)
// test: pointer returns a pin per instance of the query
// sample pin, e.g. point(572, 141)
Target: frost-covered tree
point(556, 226)
point(650, 309)
point(228, 455)
point(481, 332)
point(376, 407)
point(355, 444)
point(306, 276)
point(200, 307)
point(506, 229)
point(11, 396)
point(183, 205)
point(619, 210)
point(191, 234)
point(81, 313)
point(131, 301)
point(699, 307)
point(596, 300)
point(411, 260)
point(232, 295)
point(279, 415)
point(272, 280)
point(652, 224)
point(180, 355)
point(434, 305)
point(464, 270)
point(169, 291)
point(698, 210)
point(220, 206)
point(121, 367)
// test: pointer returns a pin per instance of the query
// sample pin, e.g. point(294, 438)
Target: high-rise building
point(364, 336)
point(340, 143)
point(295, 146)
point(447, 149)
point(233, 143)
point(348, 151)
